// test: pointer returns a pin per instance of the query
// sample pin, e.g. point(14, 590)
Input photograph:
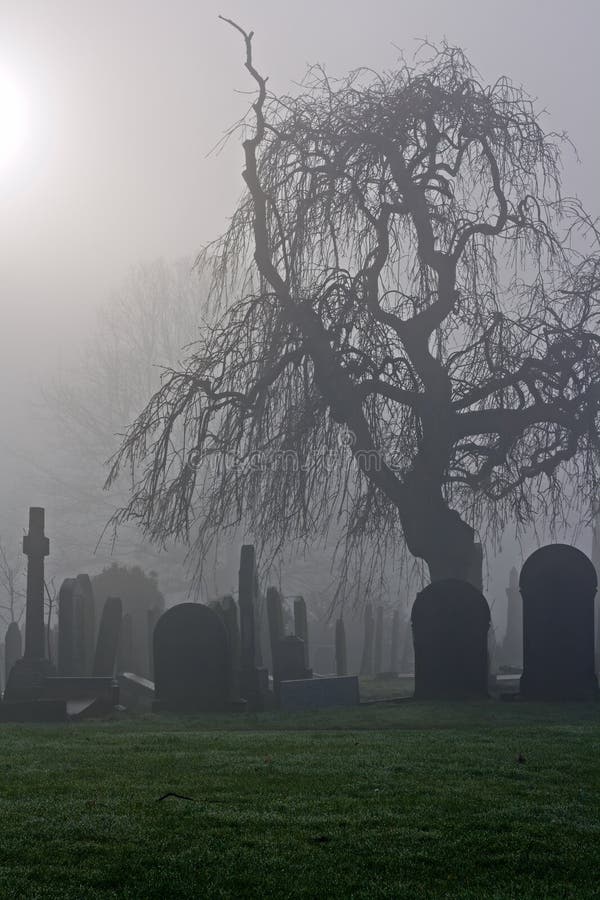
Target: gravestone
point(125, 660)
point(366, 663)
point(254, 680)
point(84, 625)
point(450, 622)
point(27, 674)
point(275, 622)
point(192, 661)
point(395, 642)
point(66, 662)
point(290, 660)
point(512, 646)
point(378, 647)
point(319, 693)
point(107, 645)
point(558, 585)
point(301, 626)
point(230, 619)
point(13, 648)
point(341, 653)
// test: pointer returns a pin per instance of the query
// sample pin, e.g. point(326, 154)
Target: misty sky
point(126, 97)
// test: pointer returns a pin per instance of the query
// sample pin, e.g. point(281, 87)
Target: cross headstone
point(36, 547)
point(192, 663)
point(558, 584)
point(450, 622)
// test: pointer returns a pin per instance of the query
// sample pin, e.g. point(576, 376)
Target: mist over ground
point(124, 101)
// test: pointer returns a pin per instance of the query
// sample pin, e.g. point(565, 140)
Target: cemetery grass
point(411, 800)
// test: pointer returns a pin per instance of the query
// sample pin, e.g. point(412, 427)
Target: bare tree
point(403, 278)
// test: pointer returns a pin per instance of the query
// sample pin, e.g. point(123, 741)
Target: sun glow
point(14, 118)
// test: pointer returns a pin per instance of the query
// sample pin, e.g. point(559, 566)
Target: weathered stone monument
point(254, 680)
point(275, 623)
point(84, 625)
point(512, 645)
point(558, 584)
point(341, 653)
point(192, 661)
point(27, 674)
point(450, 622)
point(66, 663)
point(153, 615)
point(290, 656)
point(107, 645)
point(13, 648)
point(125, 656)
point(366, 663)
point(301, 626)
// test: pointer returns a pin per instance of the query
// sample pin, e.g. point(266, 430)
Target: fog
point(126, 98)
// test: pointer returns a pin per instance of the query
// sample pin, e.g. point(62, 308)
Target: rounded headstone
point(450, 623)
point(558, 584)
point(192, 663)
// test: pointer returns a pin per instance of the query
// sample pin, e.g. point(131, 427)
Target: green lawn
point(410, 800)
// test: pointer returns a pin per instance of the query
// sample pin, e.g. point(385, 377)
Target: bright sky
point(108, 109)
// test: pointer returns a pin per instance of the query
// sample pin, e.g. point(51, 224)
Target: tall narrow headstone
point(301, 625)
point(253, 680)
point(275, 620)
point(13, 648)
point(36, 547)
point(558, 584)
point(66, 663)
point(512, 646)
point(395, 642)
point(341, 656)
point(230, 618)
point(84, 625)
point(450, 622)
point(107, 645)
point(366, 663)
point(378, 648)
point(154, 615)
point(125, 662)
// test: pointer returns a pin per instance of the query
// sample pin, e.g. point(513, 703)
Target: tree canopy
point(404, 332)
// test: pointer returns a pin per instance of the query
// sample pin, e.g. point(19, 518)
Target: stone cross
point(35, 547)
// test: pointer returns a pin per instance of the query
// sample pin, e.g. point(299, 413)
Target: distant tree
point(138, 591)
point(403, 278)
point(12, 606)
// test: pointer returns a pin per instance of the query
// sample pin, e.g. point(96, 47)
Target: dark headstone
point(253, 679)
point(107, 645)
point(366, 663)
point(84, 625)
point(13, 648)
point(319, 693)
point(125, 660)
point(558, 584)
point(301, 626)
point(230, 619)
point(66, 628)
point(341, 654)
point(289, 659)
point(450, 622)
point(275, 620)
point(512, 646)
point(153, 616)
point(191, 660)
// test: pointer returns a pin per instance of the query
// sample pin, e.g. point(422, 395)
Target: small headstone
point(107, 645)
point(191, 660)
point(289, 659)
point(66, 628)
point(341, 653)
point(13, 648)
point(558, 584)
point(319, 693)
point(366, 663)
point(450, 622)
